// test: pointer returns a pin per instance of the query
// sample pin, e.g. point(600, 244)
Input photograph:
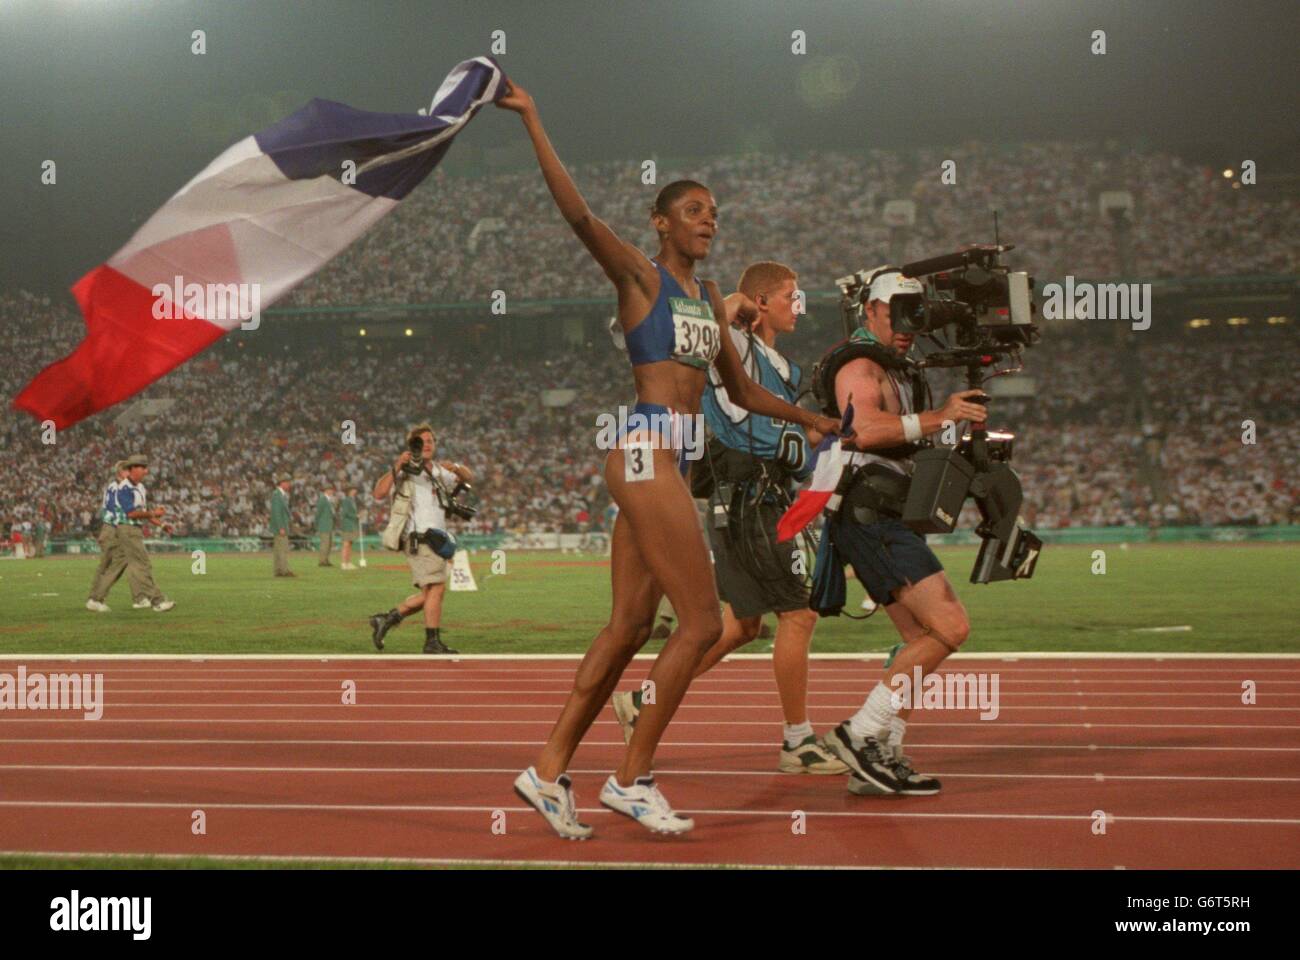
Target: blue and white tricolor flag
point(262, 217)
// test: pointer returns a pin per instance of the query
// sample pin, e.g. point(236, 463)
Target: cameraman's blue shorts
point(884, 556)
point(664, 427)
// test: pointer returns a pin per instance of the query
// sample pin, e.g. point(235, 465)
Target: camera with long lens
point(972, 312)
point(415, 466)
point(968, 302)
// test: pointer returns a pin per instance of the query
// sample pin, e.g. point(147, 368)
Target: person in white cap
point(871, 373)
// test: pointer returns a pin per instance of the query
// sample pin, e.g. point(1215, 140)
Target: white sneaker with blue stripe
point(645, 804)
point(554, 801)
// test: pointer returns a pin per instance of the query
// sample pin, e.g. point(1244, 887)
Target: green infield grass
point(1234, 598)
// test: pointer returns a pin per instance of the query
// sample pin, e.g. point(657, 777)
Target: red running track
point(1183, 773)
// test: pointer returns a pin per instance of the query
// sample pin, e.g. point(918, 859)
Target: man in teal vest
point(349, 525)
point(281, 522)
point(325, 516)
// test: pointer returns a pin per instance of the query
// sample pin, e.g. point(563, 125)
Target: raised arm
point(385, 483)
point(743, 391)
point(621, 261)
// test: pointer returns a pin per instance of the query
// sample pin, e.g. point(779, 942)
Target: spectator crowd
point(1155, 440)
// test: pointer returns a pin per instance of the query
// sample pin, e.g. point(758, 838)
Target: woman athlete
point(668, 320)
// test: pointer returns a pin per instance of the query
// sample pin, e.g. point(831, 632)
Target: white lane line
point(784, 814)
point(9, 717)
point(388, 742)
point(912, 724)
point(416, 686)
point(307, 673)
point(565, 691)
point(548, 722)
point(455, 862)
point(1157, 656)
point(508, 771)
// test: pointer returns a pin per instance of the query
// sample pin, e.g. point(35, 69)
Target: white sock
point(876, 715)
point(796, 733)
point(897, 727)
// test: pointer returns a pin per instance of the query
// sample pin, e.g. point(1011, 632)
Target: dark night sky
point(110, 90)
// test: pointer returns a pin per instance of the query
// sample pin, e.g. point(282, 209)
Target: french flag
point(827, 466)
point(261, 218)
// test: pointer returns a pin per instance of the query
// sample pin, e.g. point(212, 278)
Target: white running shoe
point(625, 712)
point(162, 606)
point(645, 804)
point(810, 755)
point(97, 606)
point(143, 604)
point(554, 801)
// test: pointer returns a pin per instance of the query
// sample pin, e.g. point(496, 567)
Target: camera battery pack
point(940, 480)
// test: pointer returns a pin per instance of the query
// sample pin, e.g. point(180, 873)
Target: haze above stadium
point(657, 79)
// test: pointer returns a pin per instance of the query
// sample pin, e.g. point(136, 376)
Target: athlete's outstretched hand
point(517, 99)
point(825, 425)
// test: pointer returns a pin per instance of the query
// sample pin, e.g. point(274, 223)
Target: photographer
point(422, 491)
point(897, 567)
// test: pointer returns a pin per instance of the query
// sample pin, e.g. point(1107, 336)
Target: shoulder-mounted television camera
point(974, 312)
point(968, 304)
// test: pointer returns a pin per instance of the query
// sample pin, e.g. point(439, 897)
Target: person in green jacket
point(349, 525)
point(325, 520)
point(281, 522)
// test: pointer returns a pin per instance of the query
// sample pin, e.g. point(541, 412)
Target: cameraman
point(418, 527)
point(897, 567)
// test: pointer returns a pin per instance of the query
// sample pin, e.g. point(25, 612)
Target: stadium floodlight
point(1116, 203)
point(899, 213)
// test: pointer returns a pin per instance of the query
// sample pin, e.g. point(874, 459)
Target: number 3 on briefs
point(638, 461)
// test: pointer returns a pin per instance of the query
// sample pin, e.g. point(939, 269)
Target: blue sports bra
point(677, 327)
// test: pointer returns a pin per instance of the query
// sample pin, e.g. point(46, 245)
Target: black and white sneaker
point(910, 782)
point(869, 761)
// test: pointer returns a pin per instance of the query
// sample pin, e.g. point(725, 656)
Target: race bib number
point(696, 335)
point(638, 461)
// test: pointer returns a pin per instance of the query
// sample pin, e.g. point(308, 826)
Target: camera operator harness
point(872, 491)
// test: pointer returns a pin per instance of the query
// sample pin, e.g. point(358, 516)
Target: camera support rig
point(979, 467)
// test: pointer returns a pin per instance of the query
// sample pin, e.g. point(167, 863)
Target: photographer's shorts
point(884, 555)
point(755, 573)
point(427, 568)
